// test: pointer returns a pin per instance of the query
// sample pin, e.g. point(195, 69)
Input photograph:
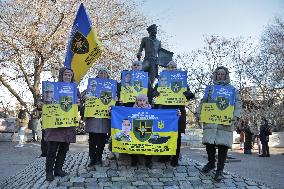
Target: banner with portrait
point(101, 94)
point(218, 105)
point(171, 86)
point(133, 83)
point(60, 108)
point(144, 131)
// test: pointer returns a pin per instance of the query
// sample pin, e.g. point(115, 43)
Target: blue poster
point(144, 131)
point(101, 94)
point(133, 83)
point(171, 86)
point(60, 107)
point(218, 105)
point(213, 92)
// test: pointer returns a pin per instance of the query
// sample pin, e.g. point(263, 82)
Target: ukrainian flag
point(84, 46)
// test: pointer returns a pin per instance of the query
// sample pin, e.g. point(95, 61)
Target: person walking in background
point(218, 135)
point(248, 137)
point(22, 123)
point(264, 137)
point(240, 130)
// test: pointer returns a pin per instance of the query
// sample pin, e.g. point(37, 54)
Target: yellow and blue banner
point(218, 105)
point(83, 47)
point(101, 94)
point(144, 131)
point(171, 86)
point(133, 83)
point(60, 108)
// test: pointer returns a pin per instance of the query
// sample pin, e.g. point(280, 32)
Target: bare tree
point(33, 37)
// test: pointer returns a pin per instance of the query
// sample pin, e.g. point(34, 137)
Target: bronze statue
point(152, 46)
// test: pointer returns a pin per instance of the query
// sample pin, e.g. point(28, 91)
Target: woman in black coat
point(264, 137)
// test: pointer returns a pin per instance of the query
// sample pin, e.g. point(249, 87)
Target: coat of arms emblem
point(66, 103)
point(176, 86)
point(106, 97)
point(222, 102)
point(142, 129)
point(79, 43)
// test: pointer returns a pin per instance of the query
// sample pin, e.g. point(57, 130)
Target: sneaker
point(19, 146)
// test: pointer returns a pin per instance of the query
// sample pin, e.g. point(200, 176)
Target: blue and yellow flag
point(101, 95)
point(218, 105)
point(171, 86)
point(144, 131)
point(60, 107)
point(83, 47)
point(133, 83)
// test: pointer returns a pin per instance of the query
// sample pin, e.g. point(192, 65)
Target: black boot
point(134, 160)
point(208, 167)
point(174, 161)
point(148, 161)
point(58, 166)
point(211, 151)
point(219, 175)
point(63, 148)
point(49, 163)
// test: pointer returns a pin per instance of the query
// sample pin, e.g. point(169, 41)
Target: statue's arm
point(142, 46)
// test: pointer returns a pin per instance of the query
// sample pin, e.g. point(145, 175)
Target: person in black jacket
point(172, 66)
point(264, 137)
point(248, 138)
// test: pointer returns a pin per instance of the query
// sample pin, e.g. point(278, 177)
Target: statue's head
point(152, 30)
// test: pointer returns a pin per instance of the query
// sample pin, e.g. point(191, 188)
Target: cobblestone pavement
point(118, 174)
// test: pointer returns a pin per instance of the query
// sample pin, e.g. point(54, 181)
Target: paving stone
point(99, 175)
point(77, 179)
point(219, 184)
point(252, 187)
point(155, 183)
point(139, 183)
point(102, 184)
point(250, 183)
point(66, 183)
point(144, 187)
point(92, 185)
point(161, 176)
point(240, 184)
point(118, 179)
point(171, 187)
point(157, 187)
point(166, 179)
point(91, 180)
point(169, 183)
point(149, 179)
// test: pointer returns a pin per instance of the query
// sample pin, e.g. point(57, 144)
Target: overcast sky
point(186, 21)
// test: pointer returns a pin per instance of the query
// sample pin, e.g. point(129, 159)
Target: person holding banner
point(218, 133)
point(98, 129)
point(172, 66)
point(141, 102)
point(58, 139)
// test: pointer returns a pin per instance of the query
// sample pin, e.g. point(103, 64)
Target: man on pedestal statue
point(152, 46)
